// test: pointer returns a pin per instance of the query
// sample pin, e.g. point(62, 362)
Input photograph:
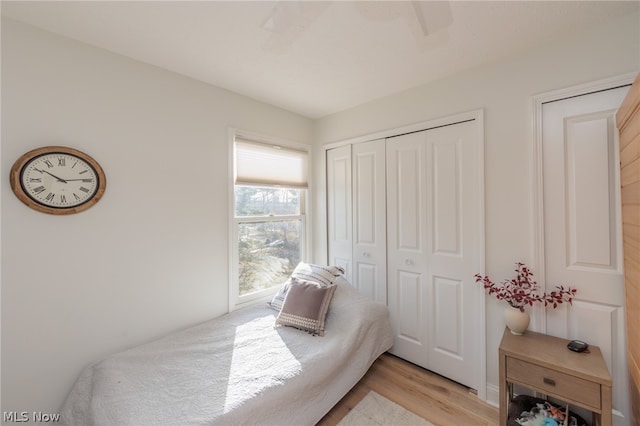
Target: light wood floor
point(433, 397)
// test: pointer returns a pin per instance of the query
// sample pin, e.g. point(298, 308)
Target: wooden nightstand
point(544, 364)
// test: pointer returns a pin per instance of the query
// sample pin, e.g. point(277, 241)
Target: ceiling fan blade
point(289, 19)
point(432, 15)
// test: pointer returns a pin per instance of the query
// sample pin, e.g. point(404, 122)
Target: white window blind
point(268, 165)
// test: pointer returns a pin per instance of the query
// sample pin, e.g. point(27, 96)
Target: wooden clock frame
point(18, 189)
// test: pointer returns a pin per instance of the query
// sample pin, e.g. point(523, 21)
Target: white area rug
point(375, 409)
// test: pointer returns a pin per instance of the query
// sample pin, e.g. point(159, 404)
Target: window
point(269, 227)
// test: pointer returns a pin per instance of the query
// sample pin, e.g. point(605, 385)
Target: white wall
point(151, 256)
point(504, 90)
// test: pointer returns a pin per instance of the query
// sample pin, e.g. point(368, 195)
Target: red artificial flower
point(523, 290)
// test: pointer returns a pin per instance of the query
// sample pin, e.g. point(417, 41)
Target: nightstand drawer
point(553, 382)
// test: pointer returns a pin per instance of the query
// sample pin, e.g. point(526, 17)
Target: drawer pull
point(549, 381)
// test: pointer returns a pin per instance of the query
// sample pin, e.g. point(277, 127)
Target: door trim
point(539, 322)
point(449, 120)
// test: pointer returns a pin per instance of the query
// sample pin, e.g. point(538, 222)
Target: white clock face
point(59, 180)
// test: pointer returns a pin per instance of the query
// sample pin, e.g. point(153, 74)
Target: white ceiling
point(315, 58)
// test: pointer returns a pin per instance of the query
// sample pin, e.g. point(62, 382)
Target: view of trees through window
point(269, 235)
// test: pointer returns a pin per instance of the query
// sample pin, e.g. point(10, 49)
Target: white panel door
point(369, 220)
point(454, 253)
point(339, 220)
point(408, 295)
point(434, 248)
point(582, 240)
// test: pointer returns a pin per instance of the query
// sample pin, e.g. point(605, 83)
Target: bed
point(236, 369)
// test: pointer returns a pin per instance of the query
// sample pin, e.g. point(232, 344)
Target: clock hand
point(44, 171)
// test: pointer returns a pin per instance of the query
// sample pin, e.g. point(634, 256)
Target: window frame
point(235, 300)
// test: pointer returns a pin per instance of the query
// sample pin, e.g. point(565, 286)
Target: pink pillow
point(305, 306)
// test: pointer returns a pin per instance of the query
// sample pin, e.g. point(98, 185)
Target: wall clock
point(58, 180)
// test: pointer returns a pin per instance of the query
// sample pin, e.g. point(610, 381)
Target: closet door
point(339, 219)
point(408, 295)
point(434, 226)
point(369, 220)
point(454, 252)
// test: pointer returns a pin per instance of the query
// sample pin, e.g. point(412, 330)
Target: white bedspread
point(237, 369)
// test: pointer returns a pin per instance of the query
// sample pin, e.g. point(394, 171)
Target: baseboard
point(493, 395)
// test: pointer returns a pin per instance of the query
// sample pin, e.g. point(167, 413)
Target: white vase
point(516, 320)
